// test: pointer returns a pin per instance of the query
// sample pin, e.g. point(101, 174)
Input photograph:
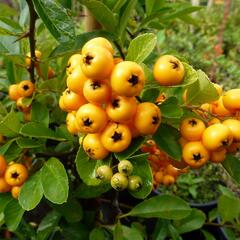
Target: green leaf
point(131, 233)
point(166, 138)
point(232, 165)
point(76, 45)
point(163, 206)
point(202, 91)
point(190, 75)
point(141, 47)
point(54, 181)
point(173, 232)
point(48, 225)
point(102, 14)
point(87, 167)
point(39, 130)
point(13, 152)
point(126, 14)
point(7, 11)
point(71, 210)
point(84, 191)
point(56, 19)
point(4, 200)
point(3, 110)
point(149, 6)
point(75, 231)
point(161, 230)
point(13, 214)
point(8, 45)
point(207, 235)
point(122, 232)
point(29, 143)
point(40, 113)
point(193, 221)
point(4, 148)
point(142, 169)
point(118, 5)
point(31, 192)
point(98, 234)
point(228, 207)
point(10, 125)
point(134, 146)
point(149, 95)
point(171, 109)
point(118, 232)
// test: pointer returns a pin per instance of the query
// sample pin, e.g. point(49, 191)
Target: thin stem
point(33, 18)
point(120, 204)
point(119, 49)
point(220, 225)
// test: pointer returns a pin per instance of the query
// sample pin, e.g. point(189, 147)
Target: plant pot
point(205, 207)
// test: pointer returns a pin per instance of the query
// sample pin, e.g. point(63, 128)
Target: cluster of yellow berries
point(121, 179)
point(165, 169)
point(201, 143)
point(101, 100)
point(19, 93)
point(218, 136)
point(12, 176)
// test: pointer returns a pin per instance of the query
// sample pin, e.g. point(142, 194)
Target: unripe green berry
point(119, 181)
point(104, 173)
point(125, 167)
point(134, 183)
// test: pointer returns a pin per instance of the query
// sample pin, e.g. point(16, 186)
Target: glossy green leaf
point(201, 91)
point(13, 214)
point(84, 191)
point(56, 19)
point(166, 138)
point(10, 125)
point(150, 95)
point(161, 229)
point(3, 110)
point(87, 167)
point(7, 11)
point(48, 225)
point(102, 14)
point(171, 109)
point(118, 232)
point(71, 210)
point(8, 45)
point(193, 221)
point(126, 14)
point(39, 130)
point(122, 232)
point(31, 192)
point(54, 181)
point(29, 143)
point(207, 235)
point(78, 231)
point(232, 165)
point(4, 200)
point(228, 207)
point(134, 146)
point(40, 113)
point(142, 169)
point(131, 233)
point(98, 234)
point(163, 206)
point(4, 148)
point(141, 47)
point(118, 5)
point(13, 152)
